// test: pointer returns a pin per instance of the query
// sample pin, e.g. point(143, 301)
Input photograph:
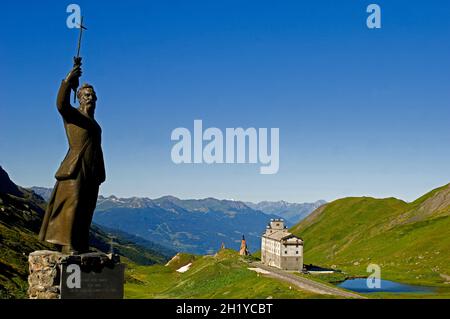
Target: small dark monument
point(73, 271)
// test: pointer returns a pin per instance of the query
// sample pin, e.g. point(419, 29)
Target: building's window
point(285, 251)
point(296, 245)
point(296, 252)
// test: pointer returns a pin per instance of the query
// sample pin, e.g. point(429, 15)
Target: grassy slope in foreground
point(224, 275)
point(410, 241)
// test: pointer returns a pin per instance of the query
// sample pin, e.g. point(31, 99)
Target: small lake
point(360, 285)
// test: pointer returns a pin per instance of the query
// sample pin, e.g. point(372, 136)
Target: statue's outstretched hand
point(74, 75)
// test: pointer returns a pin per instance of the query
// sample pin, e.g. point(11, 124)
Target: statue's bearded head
point(87, 97)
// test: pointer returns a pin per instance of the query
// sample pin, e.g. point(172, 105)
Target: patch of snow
point(184, 268)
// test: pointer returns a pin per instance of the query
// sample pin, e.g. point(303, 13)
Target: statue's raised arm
point(69, 83)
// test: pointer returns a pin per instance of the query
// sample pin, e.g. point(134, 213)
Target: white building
point(280, 248)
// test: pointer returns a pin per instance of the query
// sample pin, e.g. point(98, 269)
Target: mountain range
point(193, 225)
point(292, 212)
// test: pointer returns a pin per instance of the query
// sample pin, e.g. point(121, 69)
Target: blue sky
point(360, 112)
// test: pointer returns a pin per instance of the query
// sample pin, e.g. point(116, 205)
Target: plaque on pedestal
point(54, 275)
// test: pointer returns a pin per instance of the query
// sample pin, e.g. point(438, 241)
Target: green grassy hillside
point(224, 275)
point(410, 241)
point(19, 224)
point(181, 259)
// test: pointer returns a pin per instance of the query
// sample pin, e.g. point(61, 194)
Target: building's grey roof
point(280, 235)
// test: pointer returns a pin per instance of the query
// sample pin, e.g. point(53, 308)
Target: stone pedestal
point(54, 275)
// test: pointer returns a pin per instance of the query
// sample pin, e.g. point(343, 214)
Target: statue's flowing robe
point(71, 206)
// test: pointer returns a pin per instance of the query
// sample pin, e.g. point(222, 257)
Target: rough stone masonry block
point(54, 275)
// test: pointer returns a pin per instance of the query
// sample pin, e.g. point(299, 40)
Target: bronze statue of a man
point(69, 213)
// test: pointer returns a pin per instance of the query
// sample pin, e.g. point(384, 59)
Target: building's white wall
point(270, 246)
point(271, 252)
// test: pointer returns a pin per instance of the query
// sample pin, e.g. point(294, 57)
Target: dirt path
point(304, 283)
